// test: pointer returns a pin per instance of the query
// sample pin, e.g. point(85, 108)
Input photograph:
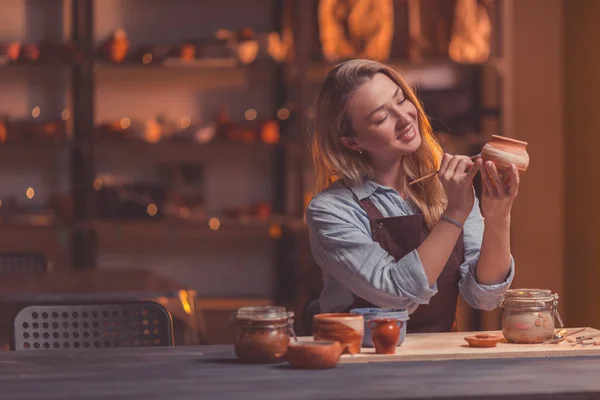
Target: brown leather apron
point(401, 235)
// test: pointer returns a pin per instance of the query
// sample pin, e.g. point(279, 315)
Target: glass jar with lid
point(529, 314)
point(263, 333)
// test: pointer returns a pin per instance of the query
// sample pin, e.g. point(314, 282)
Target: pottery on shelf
point(504, 151)
point(10, 50)
point(385, 333)
point(320, 354)
point(348, 329)
point(483, 340)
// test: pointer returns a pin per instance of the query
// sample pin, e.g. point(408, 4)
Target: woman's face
point(386, 124)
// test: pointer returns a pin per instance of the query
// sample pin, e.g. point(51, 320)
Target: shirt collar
point(366, 189)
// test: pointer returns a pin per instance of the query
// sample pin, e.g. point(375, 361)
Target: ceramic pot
point(504, 151)
point(379, 313)
point(386, 334)
point(348, 329)
point(10, 50)
point(320, 354)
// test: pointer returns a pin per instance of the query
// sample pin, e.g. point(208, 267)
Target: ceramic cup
point(504, 151)
point(379, 313)
point(348, 329)
point(385, 333)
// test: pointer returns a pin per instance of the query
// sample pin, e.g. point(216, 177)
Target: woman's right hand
point(456, 175)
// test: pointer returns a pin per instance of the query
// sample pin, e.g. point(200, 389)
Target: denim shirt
point(355, 265)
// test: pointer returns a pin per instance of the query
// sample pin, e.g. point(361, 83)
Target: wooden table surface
point(212, 372)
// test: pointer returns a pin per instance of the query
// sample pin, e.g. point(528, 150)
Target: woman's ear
point(350, 143)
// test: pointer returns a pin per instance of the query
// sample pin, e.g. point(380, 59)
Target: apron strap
point(372, 211)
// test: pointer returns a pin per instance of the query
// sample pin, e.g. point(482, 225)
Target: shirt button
point(380, 225)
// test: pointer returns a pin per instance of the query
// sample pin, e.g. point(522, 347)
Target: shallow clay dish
point(320, 354)
point(483, 340)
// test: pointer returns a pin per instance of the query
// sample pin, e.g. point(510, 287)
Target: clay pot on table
point(348, 329)
point(320, 354)
point(386, 334)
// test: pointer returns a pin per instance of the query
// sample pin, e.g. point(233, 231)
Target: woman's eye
point(402, 100)
point(381, 121)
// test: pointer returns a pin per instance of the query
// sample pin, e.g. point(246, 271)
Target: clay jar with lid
point(529, 314)
point(263, 334)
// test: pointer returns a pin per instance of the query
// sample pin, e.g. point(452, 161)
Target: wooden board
point(452, 346)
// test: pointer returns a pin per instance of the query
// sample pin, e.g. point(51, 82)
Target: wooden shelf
point(431, 75)
point(164, 229)
point(32, 153)
point(202, 75)
point(23, 222)
point(179, 150)
point(200, 64)
point(35, 65)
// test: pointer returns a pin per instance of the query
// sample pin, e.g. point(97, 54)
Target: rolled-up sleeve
point(477, 295)
point(344, 248)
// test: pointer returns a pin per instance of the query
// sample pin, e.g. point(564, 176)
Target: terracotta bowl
point(504, 151)
point(348, 329)
point(483, 340)
point(320, 354)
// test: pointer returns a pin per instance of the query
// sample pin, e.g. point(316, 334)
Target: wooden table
point(212, 372)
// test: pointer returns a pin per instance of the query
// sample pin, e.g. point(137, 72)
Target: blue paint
point(377, 313)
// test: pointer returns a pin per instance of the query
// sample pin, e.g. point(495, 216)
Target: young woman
point(382, 242)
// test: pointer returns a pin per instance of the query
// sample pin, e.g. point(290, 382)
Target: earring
point(360, 151)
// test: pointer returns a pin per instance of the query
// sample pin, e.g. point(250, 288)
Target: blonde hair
point(332, 160)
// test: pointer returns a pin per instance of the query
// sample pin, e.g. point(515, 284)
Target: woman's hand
point(456, 175)
point(499, 192)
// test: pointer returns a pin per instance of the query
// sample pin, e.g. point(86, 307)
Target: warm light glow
point(97, 184)
point(35, 112)
point(214, 224)
point(184, 212)
point(185, 302)
point(30, 193)
point(65, 114)
point(152, 209)
point(250, 114)
point(147, 58)
point(0, 203)
point(275, 231)
point(283, 113)
point(125, 123)
point(185, 122)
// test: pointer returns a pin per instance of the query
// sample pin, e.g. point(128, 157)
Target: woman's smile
point(407, 134)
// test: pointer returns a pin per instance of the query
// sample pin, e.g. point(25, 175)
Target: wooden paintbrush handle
point(435, 173)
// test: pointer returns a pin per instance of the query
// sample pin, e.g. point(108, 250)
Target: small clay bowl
point(483, 340)
point(320, 354)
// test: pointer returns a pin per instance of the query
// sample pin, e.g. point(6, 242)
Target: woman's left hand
point(498, 193)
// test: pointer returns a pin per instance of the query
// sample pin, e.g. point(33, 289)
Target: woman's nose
point(402, 117)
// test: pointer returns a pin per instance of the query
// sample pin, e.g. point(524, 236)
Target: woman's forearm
point(436, 249)
point(494, 259)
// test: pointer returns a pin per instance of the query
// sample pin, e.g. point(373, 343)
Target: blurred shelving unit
point(94, 90)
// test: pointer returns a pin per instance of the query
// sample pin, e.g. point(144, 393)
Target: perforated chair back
point(47, 327)
point(23, 262)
